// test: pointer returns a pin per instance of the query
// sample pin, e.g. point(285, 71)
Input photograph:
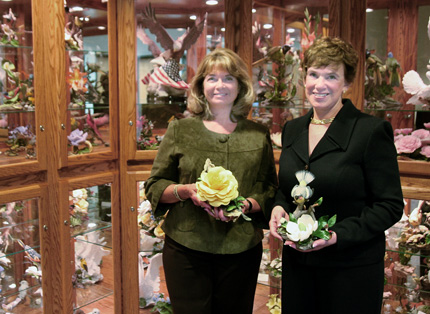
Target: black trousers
point(331, 290)
point(204, 283)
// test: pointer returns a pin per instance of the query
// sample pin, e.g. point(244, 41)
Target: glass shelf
point(86, 297)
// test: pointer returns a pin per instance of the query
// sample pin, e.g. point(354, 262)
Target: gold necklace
point(323, 121)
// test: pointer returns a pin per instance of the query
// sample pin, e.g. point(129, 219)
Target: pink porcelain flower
point(407, 144)
point(427, 125)
point(397, 137)
point(421, 133)
point(425, 151)
point(404, 131)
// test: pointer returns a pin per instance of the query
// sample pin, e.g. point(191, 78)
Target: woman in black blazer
point(353, 158)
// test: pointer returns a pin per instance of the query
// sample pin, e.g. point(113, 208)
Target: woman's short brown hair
point(227, 60)
point(332, 50)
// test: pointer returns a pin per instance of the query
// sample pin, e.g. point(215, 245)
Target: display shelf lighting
point(254, 10)
point(368, 10)
point(267, 26)
point(211, 2)
point(76, 9)
point(193, 17)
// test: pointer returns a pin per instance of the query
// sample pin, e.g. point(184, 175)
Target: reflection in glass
point(150, 255)
point(87, 79)
point(407, 259)
point(91, 232)
point(20, 260)
point(17, 106)
point(166, 62)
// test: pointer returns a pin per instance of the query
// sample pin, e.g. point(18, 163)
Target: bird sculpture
point(32, 255)
point(168, 62)
point(274, 54)
point(174, 49)
point(302, 192)
point(149, 279)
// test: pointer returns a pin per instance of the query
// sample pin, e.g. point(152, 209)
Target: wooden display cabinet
point(44, 172)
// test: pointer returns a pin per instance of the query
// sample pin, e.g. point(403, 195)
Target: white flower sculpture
point(414, 85)
point(302, 229)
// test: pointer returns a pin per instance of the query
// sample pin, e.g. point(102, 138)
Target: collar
point(337, 136)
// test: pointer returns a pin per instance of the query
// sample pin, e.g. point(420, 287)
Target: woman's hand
point(190, 190)
point(320, 243)
point(277, 213)
point(317, 245)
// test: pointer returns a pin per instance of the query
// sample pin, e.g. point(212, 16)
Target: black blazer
point(356, 173)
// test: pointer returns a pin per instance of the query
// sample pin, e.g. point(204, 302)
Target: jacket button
point(224, 139)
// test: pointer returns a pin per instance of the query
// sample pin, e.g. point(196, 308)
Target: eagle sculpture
point(167, 62)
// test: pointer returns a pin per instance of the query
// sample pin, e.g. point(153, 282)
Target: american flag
point(167, 74)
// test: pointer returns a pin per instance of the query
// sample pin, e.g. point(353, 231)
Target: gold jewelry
point(175, 192)
point(323, 121)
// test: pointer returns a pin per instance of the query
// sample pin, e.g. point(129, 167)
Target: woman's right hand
point(278, 212)
point(191, 192)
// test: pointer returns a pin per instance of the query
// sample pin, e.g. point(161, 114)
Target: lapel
point(337, 136)
point(340, 131)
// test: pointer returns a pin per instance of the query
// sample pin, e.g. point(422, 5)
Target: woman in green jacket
point(211, 261)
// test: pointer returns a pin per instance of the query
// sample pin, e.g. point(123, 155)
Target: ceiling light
point(193, 17)
point(211, 2)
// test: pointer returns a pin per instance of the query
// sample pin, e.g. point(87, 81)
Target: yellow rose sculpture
point(219, 188)
point(217, 185)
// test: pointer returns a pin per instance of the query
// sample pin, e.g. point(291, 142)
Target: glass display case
point(20, 258)
point(77, 66)
point(407, 285)
point(87, 79)
point(17, 105)
point(91, 243)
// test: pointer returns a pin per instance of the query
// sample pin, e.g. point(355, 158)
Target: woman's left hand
point(219, 214)
point(319, 244)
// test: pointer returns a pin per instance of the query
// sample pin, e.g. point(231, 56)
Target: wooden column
point(278, 40)
point(127, 149)
point(238, 29)
point(347, 20)
point(49, 73)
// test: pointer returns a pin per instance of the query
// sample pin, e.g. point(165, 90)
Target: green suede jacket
point(247, 152)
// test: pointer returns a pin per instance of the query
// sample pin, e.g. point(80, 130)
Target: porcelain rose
point(217, 186)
